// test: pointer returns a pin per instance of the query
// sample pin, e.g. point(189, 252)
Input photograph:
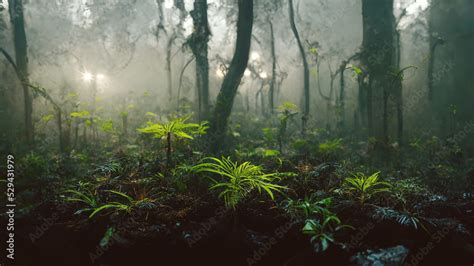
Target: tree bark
point(21, 56)
point(377, 57)
point(398, 90)
point(169, 71)
point(198, 43)
point(180, 83)
point(305, 66)
point(273, 79)
point(225, 99)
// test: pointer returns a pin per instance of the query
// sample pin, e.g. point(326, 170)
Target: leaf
point(130, 199)
point(107, 236)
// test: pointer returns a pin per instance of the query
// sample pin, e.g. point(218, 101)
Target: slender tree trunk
point(385, 115)
point(62, 147)
point(431, 63)
point(181, 81)
point(342, 85)
point(76, 134)
point(161, 17)
point(169, 71)
point(21, 54)
point(273, 80)
point(124, 127)
point(225, 99)
point(198, 43)
point(168, 150)
point(399, 90)
point(305, 66)
point(370, 116)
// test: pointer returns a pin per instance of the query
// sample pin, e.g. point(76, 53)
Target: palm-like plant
point(177, 128)
point(84, 197)
point(239, 179)
point(94, 207)
point(366, 186)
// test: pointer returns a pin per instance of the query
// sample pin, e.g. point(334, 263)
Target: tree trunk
point(398, 90)
point(377, 57)
point(168, 149)
point(451, 74)
point(59, 117)
point(124, 127)
point(180, 84)
point(169, 74)
point(342, 85)
point(305, 66)
point(273, 80)
point(225, 99)
point(21, 47)
point(198, 43)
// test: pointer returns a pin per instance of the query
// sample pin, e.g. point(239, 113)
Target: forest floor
point(128, 206)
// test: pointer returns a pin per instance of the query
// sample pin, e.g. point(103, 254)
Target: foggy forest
point(237, 132)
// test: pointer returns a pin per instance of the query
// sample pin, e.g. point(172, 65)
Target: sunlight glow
point(417, 6)
point(247, 73)
point(100, 76)
point(219, 73)
point(86, 76)
point(254, 56)
point(263, 75)
point(168, 4)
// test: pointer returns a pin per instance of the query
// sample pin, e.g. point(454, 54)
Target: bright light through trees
point(87, 76)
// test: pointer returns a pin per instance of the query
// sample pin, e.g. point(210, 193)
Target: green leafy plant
point(307, 207)
point(405, 218)
point(408, 192)
point(320, 222)
point(94, 207)
point(177, 128)
point(238, 180)
point(322, 231)
point(87, 198)
point(365, 186)
point(330, 147)
point(108, 168)
point(285, 112)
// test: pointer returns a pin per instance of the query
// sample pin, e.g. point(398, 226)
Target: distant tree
point(377, 57)
point(305, 66)
point(198, 43)
point(21, 56)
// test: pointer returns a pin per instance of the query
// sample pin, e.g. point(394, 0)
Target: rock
point(393, 256)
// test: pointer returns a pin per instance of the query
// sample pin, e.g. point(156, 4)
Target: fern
point(366, 186)
point(238, 179)
point(86, 198)
point(177, 128)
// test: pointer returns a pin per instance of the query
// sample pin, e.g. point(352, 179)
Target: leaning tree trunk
point(305, 66)
point(225, 99)
point(21, 46)
point(198, 43)
point(273, 80)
